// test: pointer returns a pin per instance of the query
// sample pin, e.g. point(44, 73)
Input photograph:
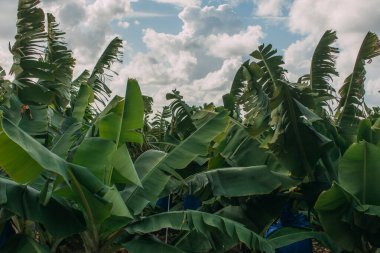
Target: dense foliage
point(80, 169)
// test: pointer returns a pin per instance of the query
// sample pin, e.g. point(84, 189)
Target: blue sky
point(197, 46)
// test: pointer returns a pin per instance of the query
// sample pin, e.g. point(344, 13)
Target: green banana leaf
point(158, 166)
point(58, 218)
point(347, 210)
point(359, 173)
point(82, 100)
point(144, 244)
point(332, 207)
point(242, 181)
point(203, 223)
point(122, 124)
point(95, 154)
point(24, 158)
point(289, 235)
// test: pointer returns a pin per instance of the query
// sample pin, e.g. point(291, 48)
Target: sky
point(196, 46)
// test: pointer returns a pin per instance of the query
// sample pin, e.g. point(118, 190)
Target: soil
point(318, 248)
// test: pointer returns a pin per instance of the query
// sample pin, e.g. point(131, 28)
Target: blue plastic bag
point(290, 218)
point(189, 202)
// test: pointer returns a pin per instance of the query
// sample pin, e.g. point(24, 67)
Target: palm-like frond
point(102, 70)
point(351, 107)
point(62, 63)
point(270, 64)
point(77, 83)
point(255, 100)
point(294, 132)
point(255, 83)
point(322, 69)
point(181, 124)
point(29, 45)
point(160, 123)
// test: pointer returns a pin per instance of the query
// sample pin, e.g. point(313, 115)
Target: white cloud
point(200, 60)
point(225, 46)
point(350, 18)
point(181, 3)
point(271, 8)
point(220, 78)
point(123, 24)
point(88, 25)
point(210, 20)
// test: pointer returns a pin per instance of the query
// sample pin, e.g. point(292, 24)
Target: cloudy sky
point(197, 46)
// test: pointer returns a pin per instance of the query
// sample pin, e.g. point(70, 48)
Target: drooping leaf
point(294, 133)
point(158, 166)
point(322, 69)
point(351, 107)
point(270, 65)
point(181, 124)
point(203, 223)
point(58, 218)
point(97, 80)
point(243, 181)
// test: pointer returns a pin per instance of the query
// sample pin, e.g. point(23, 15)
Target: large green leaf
point(332, 207)
point(95, 154)
point(159, 165)
point(58, 218)
point(133, 115)
point(347, 211)
point(150, 245)
point(63, 142)
point(123, 165)
point(359, 173)
point(35, 121)
point(82, 101)
point(121, 123)
point(203, 223)
point(241, 150)
point(351, 107)
point(243, 181)
point(294, 132)
point(24, 158)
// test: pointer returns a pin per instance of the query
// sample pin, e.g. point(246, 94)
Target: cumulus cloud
point(182, 3)
point(7, 30)
point(200, 60)
point(226, 46)
point(270, 8)
point(351, 19)
point(123, 24)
